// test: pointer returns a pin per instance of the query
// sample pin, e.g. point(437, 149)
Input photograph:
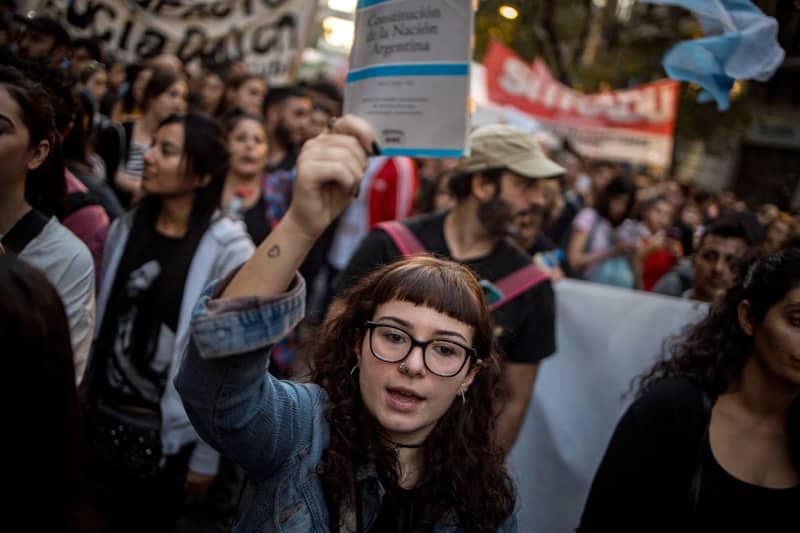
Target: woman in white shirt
point(27, 138)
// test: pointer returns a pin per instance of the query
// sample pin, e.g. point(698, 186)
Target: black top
point(685, 234)
point(113, 146)
point(401, 510)
point(527, 322)
point(142, 311)
point(543, 243)
point(560, 229)
point(643, 482)
point(256, 221)
point(727, 503)
point(397, 512)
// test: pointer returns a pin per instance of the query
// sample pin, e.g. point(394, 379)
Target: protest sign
point(633, 125)
point(606, 338)
point(409, 74)
point(266, 34)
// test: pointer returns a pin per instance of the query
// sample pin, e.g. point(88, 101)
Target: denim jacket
point(276, 430)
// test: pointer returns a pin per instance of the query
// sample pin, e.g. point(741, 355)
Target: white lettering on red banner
point(634, 124)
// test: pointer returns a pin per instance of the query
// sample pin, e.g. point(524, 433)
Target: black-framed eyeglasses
point(443, 358)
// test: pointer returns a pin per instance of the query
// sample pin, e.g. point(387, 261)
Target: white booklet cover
point(409, 74)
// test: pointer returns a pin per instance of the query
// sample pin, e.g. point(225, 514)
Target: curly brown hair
point(713, 352)
point(464, 474)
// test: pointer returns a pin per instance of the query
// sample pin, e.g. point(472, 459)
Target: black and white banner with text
point(266, 34)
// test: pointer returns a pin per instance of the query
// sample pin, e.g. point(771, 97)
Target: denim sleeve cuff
point(224, 327)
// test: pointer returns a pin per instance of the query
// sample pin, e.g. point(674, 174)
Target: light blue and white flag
point(741, 44)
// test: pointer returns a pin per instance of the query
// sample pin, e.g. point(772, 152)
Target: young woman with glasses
point(394, 432)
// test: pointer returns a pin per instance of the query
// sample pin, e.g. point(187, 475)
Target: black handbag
point(125, 441)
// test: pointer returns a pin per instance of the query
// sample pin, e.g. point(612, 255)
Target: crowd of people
point(241, 282)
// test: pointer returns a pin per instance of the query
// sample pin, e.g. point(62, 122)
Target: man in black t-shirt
point(499, 180)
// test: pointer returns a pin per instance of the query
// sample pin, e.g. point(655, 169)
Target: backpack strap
point(77, 200)
point(406, 242)
point(518, 282)
point(510, 286)
point(24, 231)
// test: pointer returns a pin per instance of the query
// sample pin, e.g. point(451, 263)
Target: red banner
point(634, 124)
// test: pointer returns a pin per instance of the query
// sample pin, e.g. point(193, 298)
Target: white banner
point(606, 338)
point(409, 74)
point(266, 34)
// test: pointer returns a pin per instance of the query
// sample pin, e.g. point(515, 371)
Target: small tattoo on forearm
point(275, 251)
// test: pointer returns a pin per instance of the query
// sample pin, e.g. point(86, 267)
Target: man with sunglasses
point(499, 182)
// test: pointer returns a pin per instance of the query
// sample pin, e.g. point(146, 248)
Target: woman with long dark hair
point(128, 105)
point(29, 197)
point(434, 195)
point(713, 441)
point(209, 93)
point(93, 80)
point(47, 456)
point(165, 94)
point(395, 431)
point(244, 93)
point(243, 196)
point(597, 250)
point(658, 251)
point(84, 164)
point(158, 258)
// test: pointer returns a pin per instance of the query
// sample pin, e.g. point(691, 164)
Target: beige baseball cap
point(504, 146)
